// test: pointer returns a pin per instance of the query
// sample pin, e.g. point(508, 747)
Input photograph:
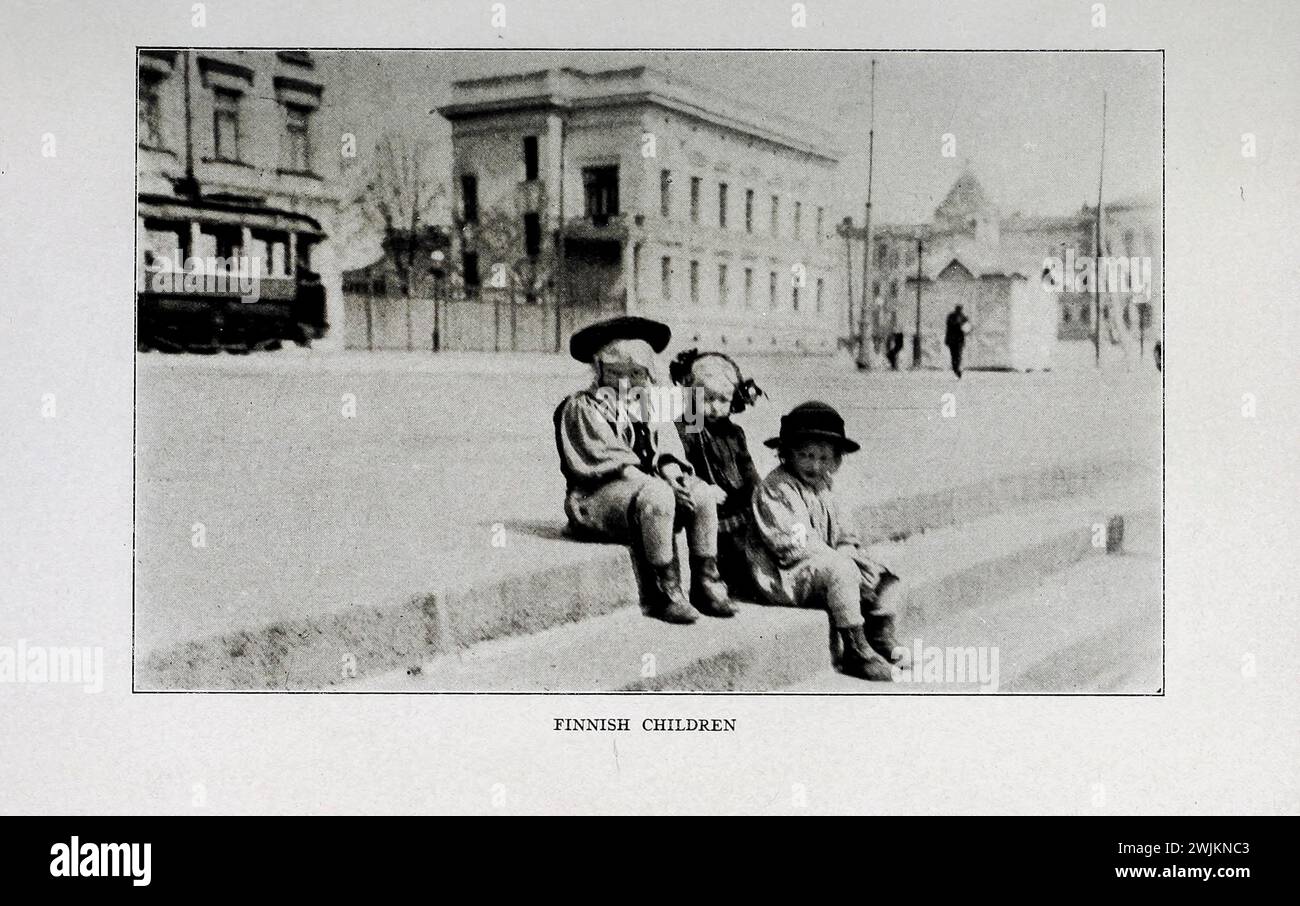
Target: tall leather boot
point(859, 659)
point(668, 602)
point(709, 594)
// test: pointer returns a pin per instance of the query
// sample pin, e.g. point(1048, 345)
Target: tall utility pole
point(847, 226)
point(864, 314)
point(916, 337)
point(1096, 276)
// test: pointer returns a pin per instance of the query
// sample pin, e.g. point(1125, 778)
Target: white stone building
point(632, 190)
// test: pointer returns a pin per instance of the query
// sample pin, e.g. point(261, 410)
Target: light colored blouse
point(596, 445)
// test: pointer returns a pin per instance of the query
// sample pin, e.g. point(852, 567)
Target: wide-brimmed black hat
point(584, 344)
point(813, 421)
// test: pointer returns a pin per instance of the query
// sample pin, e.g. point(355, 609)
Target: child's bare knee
point(835, 568)
point(656, 499)
point(702, 498)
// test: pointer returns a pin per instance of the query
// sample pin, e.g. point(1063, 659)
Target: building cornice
point(642, 90)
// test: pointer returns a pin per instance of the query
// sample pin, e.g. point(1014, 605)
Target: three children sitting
point(635, 477)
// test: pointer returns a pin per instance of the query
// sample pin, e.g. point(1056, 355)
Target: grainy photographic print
point(800, 372)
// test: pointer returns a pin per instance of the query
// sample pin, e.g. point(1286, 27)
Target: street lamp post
point(438, 259)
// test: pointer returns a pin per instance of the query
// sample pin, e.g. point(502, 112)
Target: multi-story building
point(970, 229)
point(632, 190)
point(238, 157)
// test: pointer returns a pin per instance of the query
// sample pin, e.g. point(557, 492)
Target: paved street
point(304, 508)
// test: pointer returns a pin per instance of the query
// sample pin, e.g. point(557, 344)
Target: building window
point(749, 286)
point(821, 285)
point(882, 253)
point(749, 210)
point(297, 127)
point(820, 213)
point(469, 197)
point(295, 58)
point(225, 124)
point(776, 214)
point(469, 263)
point(722, 284)
point(722, 205)
point(533, 234)
point(798, 216)
point(601, 185)
point(771, 290)
point(695, 199)
point(1065, 315)
point(666, 278)
point(150, 110)
point(530, 158)
point(695, 282)
point(665, 193)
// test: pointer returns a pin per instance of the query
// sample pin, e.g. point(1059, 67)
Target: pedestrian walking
point(954, 337)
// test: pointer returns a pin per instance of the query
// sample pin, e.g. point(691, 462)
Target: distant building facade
point(969, 228)
point(630, 190)
point(238, 156)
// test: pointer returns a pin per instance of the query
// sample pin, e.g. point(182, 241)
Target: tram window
point(272, 247)
point(224, 241)
point(163, 239)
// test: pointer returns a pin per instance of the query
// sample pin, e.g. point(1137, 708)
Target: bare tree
point(502, 242)
point(398, 196)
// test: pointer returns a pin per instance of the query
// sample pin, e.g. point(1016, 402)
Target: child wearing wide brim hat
point(805, 552)
point(627, 476)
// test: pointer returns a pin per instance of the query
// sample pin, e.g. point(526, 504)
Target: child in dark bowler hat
point(805, 552)
point(628, 478)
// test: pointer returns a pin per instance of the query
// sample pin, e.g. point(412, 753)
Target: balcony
point(599, 226)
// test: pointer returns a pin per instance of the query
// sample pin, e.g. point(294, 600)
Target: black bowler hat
point(584, 344)
point(813, 421)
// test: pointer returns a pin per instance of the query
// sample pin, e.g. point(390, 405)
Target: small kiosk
point(1013, 318)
